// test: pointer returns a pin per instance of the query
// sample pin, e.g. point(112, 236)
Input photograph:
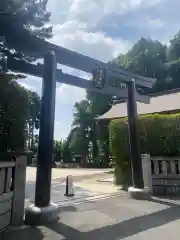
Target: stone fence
point(12, 191)
point(161, 175)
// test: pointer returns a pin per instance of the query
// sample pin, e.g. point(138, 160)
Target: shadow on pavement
point(67, 209)
point(166, 201)
point(115, 231)
point(123, 229)
point(30, 189)
point(28, 233)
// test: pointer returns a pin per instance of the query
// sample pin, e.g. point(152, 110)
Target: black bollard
point(69, 187)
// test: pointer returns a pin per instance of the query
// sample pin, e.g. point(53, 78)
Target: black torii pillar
point(43, 211)
point(46, 133)
point(137, 190)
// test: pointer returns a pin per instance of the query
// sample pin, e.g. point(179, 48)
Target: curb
point(88, 199)
point(70, 202)
point(106, 181)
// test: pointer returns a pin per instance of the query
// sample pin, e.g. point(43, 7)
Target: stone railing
point(161, 174)
point(12, 191)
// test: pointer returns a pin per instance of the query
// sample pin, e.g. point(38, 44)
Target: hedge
point(159, 135)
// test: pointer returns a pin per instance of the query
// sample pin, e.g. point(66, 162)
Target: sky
point(102, 29)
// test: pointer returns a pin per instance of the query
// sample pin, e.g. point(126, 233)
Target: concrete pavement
point(111, 218)
point(85, 187)
point(59, 173)
point(99, 210)
point(83, 192)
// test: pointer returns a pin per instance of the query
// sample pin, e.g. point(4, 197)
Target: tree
point(23, 105)
point(78, 139)
point(13, 114)
point(173, 52)
point(58, 150)
point(99, 104)
point(76, 143)
point(81, 121)
point(84, 139)
point(172, 66)
point(34, 147)
point(22, 16)
point(146, 58)
point(66, 153)
point(29, 15)
point(33, 116)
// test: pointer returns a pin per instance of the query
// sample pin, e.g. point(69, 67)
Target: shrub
point(159, 135)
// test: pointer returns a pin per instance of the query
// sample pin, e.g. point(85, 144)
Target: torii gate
point(44, 211)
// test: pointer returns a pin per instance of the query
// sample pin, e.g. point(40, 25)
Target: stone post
point(147, 175)
point(19, 191)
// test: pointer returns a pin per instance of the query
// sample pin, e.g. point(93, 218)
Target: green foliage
point(19, 111)
point(28, 13)
point(33, 118)
point(118, 136)
point(147, 58)
point(174, 48)
point(58, 150)
point(19, 15)
point(34, 144)
point(77, 141)
point(24, 17)
point(78, 137)
point(84, 130)
point(99, 103)
point(13, 114)
point(159, 135)
point(62, 151)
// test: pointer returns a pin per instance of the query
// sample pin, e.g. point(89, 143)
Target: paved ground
point(63, 172)
point(86, 185)
point(111, 218)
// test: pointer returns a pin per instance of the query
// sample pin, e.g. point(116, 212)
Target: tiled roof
point(169, 101)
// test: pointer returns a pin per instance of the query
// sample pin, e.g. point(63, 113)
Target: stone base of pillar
point(139, 194)
point(39, 216)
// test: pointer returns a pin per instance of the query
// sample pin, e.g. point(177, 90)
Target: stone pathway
point(61, 173)
point(86, 186)
point(82, 191)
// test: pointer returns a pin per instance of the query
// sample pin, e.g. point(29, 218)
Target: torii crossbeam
point(35, 46)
